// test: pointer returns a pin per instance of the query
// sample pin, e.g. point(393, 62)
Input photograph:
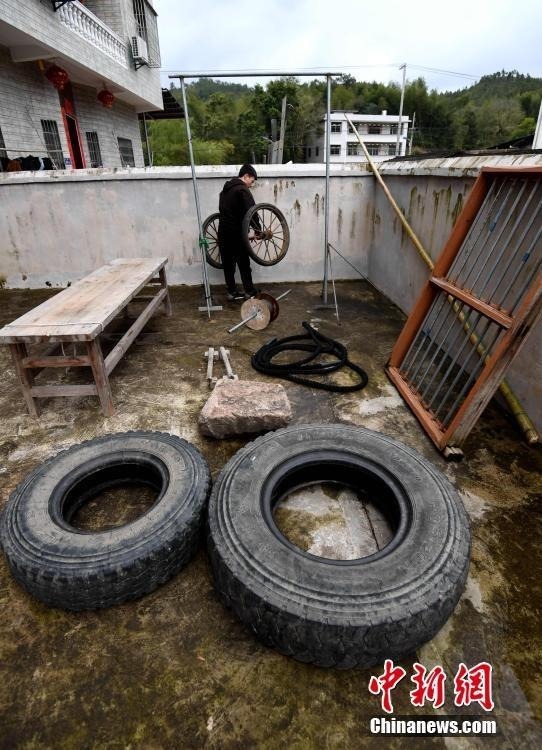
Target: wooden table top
point(82, 311)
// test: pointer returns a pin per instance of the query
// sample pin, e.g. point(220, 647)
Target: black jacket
point(234, 201)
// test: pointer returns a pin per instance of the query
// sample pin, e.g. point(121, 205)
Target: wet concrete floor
point(175, 669)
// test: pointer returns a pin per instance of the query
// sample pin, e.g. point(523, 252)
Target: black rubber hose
point(316, 344)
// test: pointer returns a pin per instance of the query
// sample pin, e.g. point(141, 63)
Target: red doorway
point(71, 128)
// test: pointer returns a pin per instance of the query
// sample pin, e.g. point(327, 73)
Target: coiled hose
point(317, 345)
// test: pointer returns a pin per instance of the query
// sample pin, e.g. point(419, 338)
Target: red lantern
point(106, 98)
point(58, 76)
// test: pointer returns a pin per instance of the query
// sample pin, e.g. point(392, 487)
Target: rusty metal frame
point(516, 327)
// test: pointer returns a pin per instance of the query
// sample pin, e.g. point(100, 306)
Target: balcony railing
point(82, 21)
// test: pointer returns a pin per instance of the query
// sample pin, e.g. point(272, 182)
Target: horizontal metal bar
point(505, 321)
point(243, 322)
point(250, 73)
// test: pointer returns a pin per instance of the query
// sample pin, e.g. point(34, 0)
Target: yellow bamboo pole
point(521, 416)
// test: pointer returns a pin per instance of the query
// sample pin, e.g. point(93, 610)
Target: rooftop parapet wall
point(58, 226)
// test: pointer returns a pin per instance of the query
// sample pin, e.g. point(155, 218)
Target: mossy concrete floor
point(175, 669)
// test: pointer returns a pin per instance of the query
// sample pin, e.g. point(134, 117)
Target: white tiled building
point(100, 46)
point(378, 132)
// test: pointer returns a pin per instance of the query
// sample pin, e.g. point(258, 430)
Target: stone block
point(236, 407)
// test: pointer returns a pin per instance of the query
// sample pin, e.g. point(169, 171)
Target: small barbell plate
point(262, 310)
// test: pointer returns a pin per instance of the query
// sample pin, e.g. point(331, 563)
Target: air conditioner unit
point(139, 50)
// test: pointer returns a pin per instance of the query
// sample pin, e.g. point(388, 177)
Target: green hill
point(231, 122)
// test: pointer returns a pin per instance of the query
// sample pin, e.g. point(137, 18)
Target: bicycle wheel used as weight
point(210, 232)
point(270, 247)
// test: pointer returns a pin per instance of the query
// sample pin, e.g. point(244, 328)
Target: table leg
point(163, 284)
point(19, 351)
point(100, 376)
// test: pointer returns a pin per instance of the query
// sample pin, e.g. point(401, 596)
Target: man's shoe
point(236, 296)
point(252, 293)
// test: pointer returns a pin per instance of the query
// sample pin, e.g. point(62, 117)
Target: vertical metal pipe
point(400, 124)
point(326, 207)
point(196, 197)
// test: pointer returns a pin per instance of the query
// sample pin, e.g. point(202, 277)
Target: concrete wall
point(56, 227)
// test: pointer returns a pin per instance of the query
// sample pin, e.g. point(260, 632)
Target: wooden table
point(81, 313)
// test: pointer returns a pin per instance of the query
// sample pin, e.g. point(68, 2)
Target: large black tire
point(72, 569)
point(338, 613)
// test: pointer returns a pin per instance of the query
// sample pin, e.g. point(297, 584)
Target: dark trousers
point(233, 253)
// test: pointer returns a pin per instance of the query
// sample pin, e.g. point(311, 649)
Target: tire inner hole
point(336, 520)
point(111, 497)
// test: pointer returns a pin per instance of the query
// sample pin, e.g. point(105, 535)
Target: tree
point(526, 127)
point(233, 121)
point(169, 145)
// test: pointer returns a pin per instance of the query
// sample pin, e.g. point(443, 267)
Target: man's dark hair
point(248, 169)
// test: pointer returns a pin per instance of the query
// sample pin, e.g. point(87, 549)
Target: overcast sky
point(366, 39)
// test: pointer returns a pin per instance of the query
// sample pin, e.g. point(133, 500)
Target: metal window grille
point(374, 129)
point(373, 148)
point(336, 127)
point(335, 149)
point(94, 149)
point(392, 150)
point(353, 149)
point(126, 152)
point(472, 317)
point(393, 129)
point(52, 143)
point(3, 150)
point(147, 29)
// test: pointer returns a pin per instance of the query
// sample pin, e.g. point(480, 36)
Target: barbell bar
point(262, 309)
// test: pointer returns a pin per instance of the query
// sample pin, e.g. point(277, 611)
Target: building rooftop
point(177, 669)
